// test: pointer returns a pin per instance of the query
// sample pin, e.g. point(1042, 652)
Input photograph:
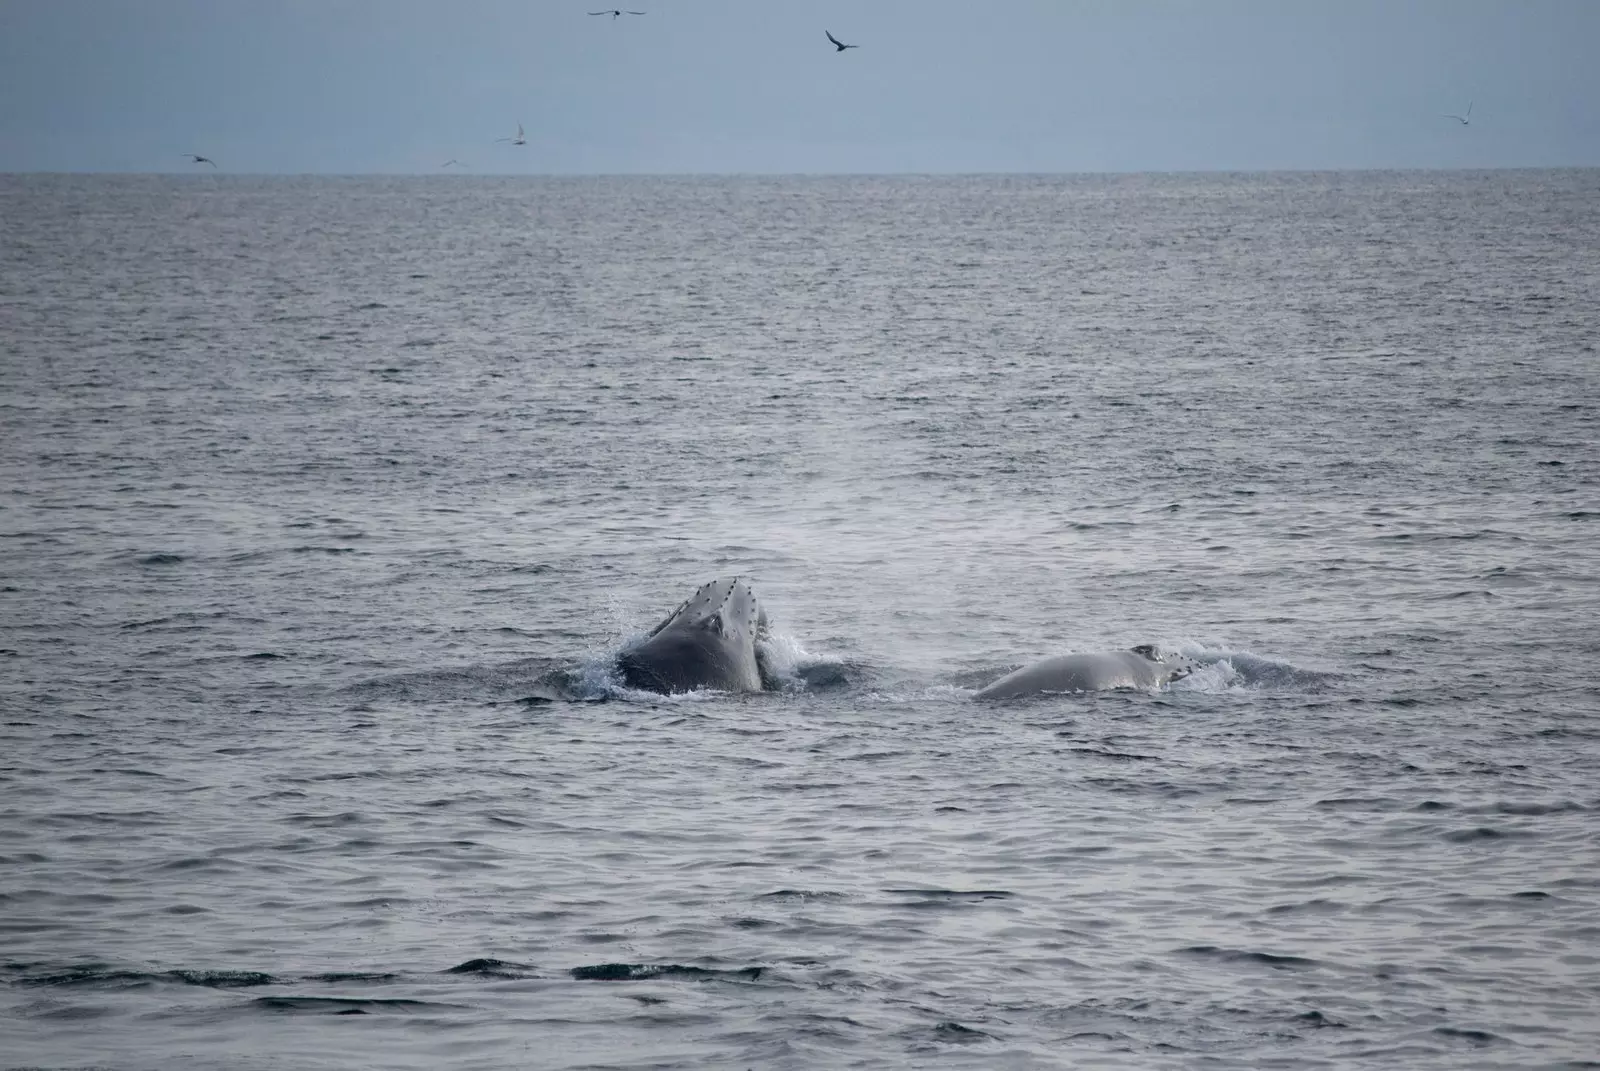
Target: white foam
point(1223, 670)
point(1215, 676)
point(784, 655)
point(596, 677)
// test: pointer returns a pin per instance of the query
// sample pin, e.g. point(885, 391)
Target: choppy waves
point(318, 556)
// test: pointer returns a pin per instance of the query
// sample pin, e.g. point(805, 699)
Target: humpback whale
point(1144, 666)
point(708, 642)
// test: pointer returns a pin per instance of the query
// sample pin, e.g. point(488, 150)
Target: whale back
point(709, 641)
point(1145, 667)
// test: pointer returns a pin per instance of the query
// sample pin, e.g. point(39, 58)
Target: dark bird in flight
point(1464, 120)
point(518, 140)
point(452, 162)
point(196, 158)
point(838, 44)
point(615, 13)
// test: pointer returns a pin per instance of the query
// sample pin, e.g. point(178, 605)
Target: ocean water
point(326, 504)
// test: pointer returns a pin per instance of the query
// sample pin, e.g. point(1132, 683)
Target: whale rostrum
point(713, 640)
point(1145, 667)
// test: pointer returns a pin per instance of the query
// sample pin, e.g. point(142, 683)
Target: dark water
point(326, 502)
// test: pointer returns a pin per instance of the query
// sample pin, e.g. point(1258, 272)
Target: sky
point(753, 86)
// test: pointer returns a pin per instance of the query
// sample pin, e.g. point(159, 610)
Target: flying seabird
point(518, 140)
point(197, 158)
point(452, 162)
point(615, 13)
point(1464, 120)
point(837, 44)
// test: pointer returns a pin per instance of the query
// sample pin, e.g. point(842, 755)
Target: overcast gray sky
point(358, 86)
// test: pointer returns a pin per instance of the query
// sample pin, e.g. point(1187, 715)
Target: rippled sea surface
point(326, 505)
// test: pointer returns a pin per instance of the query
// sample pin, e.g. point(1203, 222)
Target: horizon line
point(807, 174)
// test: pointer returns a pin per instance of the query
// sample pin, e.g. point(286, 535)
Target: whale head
point(710, 641)
point(726, 606)
point(1174, 666)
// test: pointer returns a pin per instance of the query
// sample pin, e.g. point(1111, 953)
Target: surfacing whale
point(1143, 667)
point(711, 641)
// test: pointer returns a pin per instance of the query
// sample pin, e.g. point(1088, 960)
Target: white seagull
point(197, 158)
point(518, 140)
point(1464, 120)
